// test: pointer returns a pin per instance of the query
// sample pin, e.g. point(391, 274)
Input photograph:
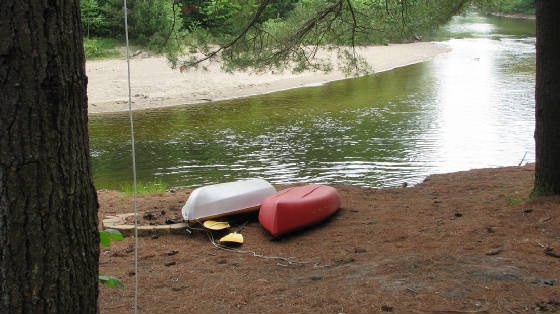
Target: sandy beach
point(154, 84)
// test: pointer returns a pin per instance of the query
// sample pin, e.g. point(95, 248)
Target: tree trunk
point(547, 99)
point(49, 242)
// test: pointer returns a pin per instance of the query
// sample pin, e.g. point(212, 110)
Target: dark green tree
point(507, 6)
point(49, 243)
point(150, 21)
point(92, 19)
point(547, 99)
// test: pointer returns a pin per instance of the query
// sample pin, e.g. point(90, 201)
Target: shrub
point(96, 48)
point(144, 188)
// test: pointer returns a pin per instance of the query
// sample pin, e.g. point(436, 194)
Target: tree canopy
point(264, 35)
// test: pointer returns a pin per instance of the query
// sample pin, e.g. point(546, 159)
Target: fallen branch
point(550, 252)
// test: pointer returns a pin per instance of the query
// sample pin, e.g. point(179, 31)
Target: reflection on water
point(470, 108)
point(472, 25)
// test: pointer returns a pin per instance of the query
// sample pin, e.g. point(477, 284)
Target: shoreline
point(521, 16)
point(155, 85)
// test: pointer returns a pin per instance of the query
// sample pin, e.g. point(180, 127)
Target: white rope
point(133, 162)
point(282, 261)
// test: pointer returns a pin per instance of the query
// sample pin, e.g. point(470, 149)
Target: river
point(470, 108)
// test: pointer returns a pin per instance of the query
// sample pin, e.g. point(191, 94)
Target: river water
point(470, 108)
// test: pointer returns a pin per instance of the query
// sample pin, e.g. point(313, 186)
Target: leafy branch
point(319, 26)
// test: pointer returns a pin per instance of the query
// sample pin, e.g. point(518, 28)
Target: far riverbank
point(155, 84)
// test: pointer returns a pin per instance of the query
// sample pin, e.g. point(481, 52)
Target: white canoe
point(226, 198)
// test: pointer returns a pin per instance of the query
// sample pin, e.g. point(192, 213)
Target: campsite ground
point(466, 242)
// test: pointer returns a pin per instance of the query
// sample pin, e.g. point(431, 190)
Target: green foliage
point(151, 22)
point(400, 21)
point(264, 36)
point(92, 18)
point(217, 17)
point(105, 238)
point(97, 48)
point(110, 281)
point(107, 235)
point(283, 35)
point(507, 6)
point(144, 188)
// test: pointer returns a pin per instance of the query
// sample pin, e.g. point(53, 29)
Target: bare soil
point(466, 242)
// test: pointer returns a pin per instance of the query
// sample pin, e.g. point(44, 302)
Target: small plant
point(110, 281)
point(107, 235)
point(514, 201)
point(105, 238)
point(97, 48)
point(144, 188)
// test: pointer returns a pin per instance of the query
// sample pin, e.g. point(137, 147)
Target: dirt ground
point(467, 242)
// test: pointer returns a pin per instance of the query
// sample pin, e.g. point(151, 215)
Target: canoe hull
point(226, 199)
point(295, 208)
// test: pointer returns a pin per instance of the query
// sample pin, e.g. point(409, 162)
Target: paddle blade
point(233, 237)
point(216, 225)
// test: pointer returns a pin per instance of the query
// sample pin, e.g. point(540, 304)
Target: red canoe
point(295, 208)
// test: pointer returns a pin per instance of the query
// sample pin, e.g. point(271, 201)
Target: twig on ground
point(459, 311)
point(550, 252)
point(283, 261)
point(522, 159)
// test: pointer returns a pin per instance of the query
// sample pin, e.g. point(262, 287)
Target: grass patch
point(144, 188)
point(100, 47)
point(512, 201)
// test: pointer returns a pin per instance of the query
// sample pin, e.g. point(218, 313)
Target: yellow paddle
point(234, 237)
point(216, 225)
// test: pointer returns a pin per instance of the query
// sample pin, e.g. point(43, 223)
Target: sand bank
point(155, 84)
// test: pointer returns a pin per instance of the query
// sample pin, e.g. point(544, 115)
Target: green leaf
point(115, 234)
point(106, 235)
point(110, 281)
point(105, 238)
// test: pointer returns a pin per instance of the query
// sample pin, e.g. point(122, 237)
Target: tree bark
point(49, 242)
point(547, 99)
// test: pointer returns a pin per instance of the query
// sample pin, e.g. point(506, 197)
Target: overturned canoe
point(226, 199)
point(295, 208)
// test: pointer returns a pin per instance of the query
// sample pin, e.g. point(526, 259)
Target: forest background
point(174, 27)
